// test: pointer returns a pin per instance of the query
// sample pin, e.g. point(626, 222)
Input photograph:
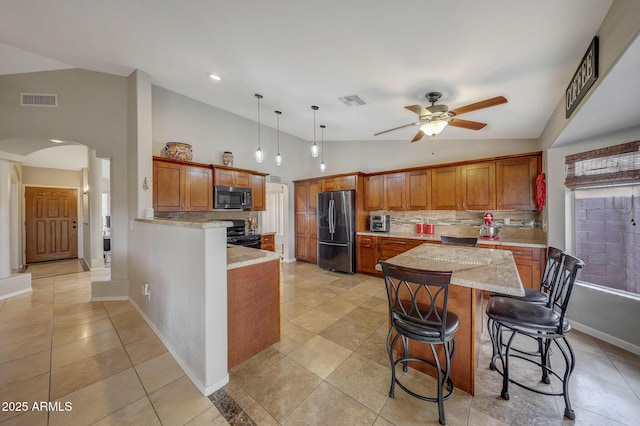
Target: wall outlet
point(145, 289)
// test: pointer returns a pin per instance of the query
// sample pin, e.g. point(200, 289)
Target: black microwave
point(231, 198)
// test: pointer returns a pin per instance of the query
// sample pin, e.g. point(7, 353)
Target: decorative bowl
point(178, 151)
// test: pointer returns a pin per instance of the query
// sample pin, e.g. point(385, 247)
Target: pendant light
point(323, 166)
point(278, 156)
point(259, 153)
point(314, 147)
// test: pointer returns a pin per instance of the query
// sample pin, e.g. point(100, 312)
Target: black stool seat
point(525, 315)
point(420, 333)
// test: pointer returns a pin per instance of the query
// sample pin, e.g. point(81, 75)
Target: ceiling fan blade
point(466, 124)
point(396, 128)
point(418, 136)
point(418, 109)
point(498, 100)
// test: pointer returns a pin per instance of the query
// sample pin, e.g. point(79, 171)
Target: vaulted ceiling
point(298, 53)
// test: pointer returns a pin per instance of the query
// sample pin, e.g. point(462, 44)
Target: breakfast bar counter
point(474, 270)
point(253, 301)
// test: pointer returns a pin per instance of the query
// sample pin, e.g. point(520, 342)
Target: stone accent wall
point(608, 242)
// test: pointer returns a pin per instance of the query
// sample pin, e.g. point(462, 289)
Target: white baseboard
point(205, 390)
point(606, 337)
point(15, 293)
point(109, 299)
point(291, 260)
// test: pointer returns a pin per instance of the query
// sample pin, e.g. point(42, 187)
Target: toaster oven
point(379, 223)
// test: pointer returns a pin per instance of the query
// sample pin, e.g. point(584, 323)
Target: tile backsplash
point(521, 224)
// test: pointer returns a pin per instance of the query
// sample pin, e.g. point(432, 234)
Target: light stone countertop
point(503, 241)
point(484, 269)
point(191, 223)
point(239, 256)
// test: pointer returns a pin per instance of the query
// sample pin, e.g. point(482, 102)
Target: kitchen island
point(474, 270)
point(253, 302)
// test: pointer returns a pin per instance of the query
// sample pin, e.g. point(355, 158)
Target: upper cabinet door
point(301, 190)
point(478, 186)
point(445, 189)
point(258, 192)
point(418, 191)
point(199, 191)
point(315, 187)
point(168, 186)
point(394, 191)
point(515, 184)
point(374, 192)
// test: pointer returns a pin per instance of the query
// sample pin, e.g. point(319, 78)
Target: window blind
point(614, 165)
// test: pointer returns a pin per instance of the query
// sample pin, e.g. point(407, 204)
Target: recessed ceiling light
point(56, 141)
point(213, 76)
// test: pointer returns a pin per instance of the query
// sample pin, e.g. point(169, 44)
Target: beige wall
point(40, 176)
point(92, 111)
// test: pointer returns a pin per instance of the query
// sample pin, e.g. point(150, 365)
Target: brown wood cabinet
point(253, 309)
point(398, 191)
point(258, 193)
point(306, 206)
point(417, 188)
point(530, 262)
point(389, 247)
point(366, 254)
point(468, 187)
point(181, 186)
point(478, 186)
point(268, 242)
point(374, 192)
point(444, 188)
point(227, 176)
point(516, 183)
point(339, 183)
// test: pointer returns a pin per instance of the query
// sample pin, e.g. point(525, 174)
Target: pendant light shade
point(323, 166)
point(259, 154)
point(278, 156)
point(314, 147)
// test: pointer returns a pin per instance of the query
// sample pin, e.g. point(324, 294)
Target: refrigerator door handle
point(332, 218)
point(326, 243)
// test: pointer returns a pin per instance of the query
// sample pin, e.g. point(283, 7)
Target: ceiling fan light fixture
point(434, 127)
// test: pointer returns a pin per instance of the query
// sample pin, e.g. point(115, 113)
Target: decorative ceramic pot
point(178, 151)
point(227, 158)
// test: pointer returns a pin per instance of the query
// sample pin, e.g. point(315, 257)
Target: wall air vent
point(39, 99)
point(352, 100)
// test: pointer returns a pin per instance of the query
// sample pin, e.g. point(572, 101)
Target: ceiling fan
point(433, 119)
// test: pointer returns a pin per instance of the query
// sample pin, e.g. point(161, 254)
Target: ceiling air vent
point(39, 99)
point(352, 100)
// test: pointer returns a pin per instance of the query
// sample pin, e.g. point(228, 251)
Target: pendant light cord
point(259, 97)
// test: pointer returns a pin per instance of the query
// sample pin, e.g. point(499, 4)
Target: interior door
point(51, 223)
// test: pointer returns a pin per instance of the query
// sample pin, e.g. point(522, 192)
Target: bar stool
point(459, 241)
point(546, 322)
point(553, 264)
point(418, 311)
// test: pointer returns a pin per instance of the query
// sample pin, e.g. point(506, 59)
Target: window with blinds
point(614, 165)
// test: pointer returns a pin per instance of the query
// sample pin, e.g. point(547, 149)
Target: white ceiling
point(298, 53)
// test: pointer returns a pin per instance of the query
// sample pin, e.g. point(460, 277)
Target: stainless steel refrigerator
point(337, 231)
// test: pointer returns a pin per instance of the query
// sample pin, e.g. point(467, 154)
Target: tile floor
point(330, 367)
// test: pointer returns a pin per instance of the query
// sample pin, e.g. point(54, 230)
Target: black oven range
point(237, 235)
